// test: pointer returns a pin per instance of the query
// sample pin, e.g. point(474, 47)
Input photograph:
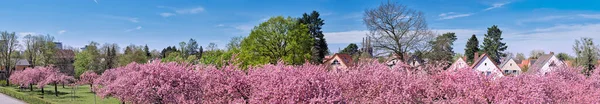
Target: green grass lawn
point(82, 95)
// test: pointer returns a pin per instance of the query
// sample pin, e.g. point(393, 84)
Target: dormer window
point(335, 62)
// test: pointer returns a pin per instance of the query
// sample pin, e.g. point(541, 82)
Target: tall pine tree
point(492, 44)
point(314, 24)
point(471, 48)
point(442, 48)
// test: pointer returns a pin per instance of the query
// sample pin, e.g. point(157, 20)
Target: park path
point(5, 99)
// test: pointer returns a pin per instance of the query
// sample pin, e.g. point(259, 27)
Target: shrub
point(23, 97)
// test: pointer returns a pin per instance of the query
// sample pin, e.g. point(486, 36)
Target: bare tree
point(8, 45)
point(397, 29)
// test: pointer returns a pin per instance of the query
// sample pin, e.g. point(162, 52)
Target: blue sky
point(550, 25)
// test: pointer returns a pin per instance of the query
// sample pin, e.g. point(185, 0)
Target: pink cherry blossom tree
point(88, 77)
point(53, 76)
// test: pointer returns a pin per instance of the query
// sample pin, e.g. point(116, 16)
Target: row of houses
point(510, 66)
point(482, 64)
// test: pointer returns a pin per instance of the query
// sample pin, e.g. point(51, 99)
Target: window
point(489, 73)
point(485, 64)
point(335, 62)
point(552, 64)
point(515, 71)
point(510, 64)
point(506, 71)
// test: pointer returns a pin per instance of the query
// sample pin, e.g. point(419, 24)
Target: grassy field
point(82, 95)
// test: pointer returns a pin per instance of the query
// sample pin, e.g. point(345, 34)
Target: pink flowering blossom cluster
point(364, 83)
point(40, 76)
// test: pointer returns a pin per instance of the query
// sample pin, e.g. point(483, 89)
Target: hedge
point(23, 97)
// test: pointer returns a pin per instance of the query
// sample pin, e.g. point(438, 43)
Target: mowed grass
point(82, 95)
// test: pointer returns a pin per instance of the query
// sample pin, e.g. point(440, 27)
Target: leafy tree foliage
point(133, 54)
point(277, 38)
point(471, 48)
point(564, 56)
point(520, 56)
point(587, 54)
point(314, 24)
point(351, 49)
point(165, 52)
point(442, 48)
point(88, 59)
point(493, 45)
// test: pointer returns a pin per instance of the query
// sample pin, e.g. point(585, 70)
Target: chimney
point(476, 56)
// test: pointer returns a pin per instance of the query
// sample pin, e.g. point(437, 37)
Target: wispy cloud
point(130, 19)
point(496, 5)
point(167, 14)
point(62, 31)
point(96, 1)
point(134, 29)
point(220, 25)
point(354, 36)
point(244, 28)
point(194, 10)
point(190, 10)
point(590, 16)
point(542, 19)
point(558, 38)
point(452, 15)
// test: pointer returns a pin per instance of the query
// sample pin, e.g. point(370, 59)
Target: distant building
point(486, 66)
point(544, 64)
point(458, 64)
point(59, 45)
point(339, 61)
point(510, 67)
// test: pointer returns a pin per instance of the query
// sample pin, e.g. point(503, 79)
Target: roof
point(22, 62)
point(504, 61)
point(481, 58)
point(539, 63)
point(65, 54)
point(524, 63)
point(346, 59)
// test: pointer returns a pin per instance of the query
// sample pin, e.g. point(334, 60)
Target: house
point(510, 67)
point(458, 64)
point(339, 61)
point(21, 64)
point(486, 66)
point(545, 64)
point(64, 61)
point(415, 61)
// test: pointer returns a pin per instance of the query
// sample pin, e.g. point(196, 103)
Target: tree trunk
point(42, 92)
point(56, 89)
point(31, 87)
point(91, 88)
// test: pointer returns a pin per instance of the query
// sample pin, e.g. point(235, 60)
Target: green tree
point(564, 56)
point(471, 48)
point(535, 54)
point(277, 38)
point(442, 48)
point(314, 24)
point(147, 50)
point(192, 48)
point(48, 50)
point(9, 44)
point(133, 54)
point(88, 59)
point(587, 54)
point(351, 49)
point(493, 45)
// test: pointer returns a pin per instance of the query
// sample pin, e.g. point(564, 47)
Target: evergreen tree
point(314, 24)
point(351, 49)
point(471, 48)
point(493, 45)
point(442, 48)
point(147, 50)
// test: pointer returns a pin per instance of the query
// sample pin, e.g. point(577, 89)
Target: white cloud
point(354, 36)
point(190, 10)
point(496, 5)
point(220, 25)
point(133, 29)
point(195, 10)
point(62, 31)
point(96, 1)
point(590, 16)
point(558, 38)
point(542, 19)
point(167, 14)
point(452, 15)
point(130, 19)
